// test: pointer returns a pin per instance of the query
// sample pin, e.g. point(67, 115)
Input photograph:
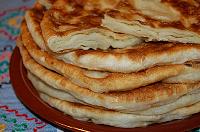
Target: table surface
point(13, 114)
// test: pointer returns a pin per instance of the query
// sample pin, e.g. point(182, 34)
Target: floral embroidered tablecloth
point(14, 117)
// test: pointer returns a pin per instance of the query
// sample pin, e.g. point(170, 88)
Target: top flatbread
point(166, 20)
point(73, 27)
point(126, 60)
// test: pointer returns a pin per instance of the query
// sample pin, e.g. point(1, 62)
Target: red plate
point(29, 97)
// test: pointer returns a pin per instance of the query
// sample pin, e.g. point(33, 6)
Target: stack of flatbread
point(123, 63)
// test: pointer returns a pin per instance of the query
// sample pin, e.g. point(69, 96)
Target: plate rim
point(19, 82)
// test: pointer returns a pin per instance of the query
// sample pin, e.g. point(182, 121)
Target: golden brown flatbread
point(99, 116)
point(183, 101)
point(88, 59)
point(44, 88)
point(99, 81)
point(135, 58)
point(158, 20)
point(190, 75)
point(118, 119)
point(132, 100)
point(33, 18)
point(72, 27)
point(105, 81)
